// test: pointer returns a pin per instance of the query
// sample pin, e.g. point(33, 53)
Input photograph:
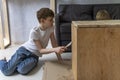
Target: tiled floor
point(37, 73)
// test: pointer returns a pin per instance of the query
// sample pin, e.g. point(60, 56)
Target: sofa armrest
point(57, 28)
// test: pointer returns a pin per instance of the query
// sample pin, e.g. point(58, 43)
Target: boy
point(26, 57)
point(103, 15)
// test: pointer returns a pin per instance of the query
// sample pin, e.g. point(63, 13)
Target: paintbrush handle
point(68, 44)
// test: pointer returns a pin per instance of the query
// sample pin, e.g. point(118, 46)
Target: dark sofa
point(75, 12)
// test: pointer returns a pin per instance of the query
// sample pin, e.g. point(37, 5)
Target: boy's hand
point(60, 49)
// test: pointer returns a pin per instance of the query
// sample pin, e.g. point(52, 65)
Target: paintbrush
point(68, 44)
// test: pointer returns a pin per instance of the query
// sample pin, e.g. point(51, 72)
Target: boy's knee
point(26, 68)
point(7, 73)
point(23, 72)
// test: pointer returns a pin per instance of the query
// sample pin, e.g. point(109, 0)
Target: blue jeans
point(23, 61)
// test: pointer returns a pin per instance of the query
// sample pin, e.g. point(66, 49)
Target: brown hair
point(102, 15)
point(44, 13)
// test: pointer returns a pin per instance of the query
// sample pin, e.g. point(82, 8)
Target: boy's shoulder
point(35, 28)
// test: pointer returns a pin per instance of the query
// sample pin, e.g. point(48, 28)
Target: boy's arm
point(42, 50)
point(54, 44)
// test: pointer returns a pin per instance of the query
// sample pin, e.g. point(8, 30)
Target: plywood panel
point(52, 5)
point(56, 71)
point(112, 53)
point(5, 16)
point(90, 53)
point(4, 28)
point(96, 50)
point(74, 50)
point(1, 35)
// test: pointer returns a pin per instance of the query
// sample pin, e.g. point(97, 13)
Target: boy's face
point(48, 22)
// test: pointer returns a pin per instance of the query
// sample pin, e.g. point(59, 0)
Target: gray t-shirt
point(37, 34)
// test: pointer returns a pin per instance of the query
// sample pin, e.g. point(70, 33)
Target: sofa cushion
point(65, 27)
point(81, 12)
point(75, 12)
point(65, 36)
point(113, 10)
point(65, 13)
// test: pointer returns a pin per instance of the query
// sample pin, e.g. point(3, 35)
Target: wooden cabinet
point(96, 50)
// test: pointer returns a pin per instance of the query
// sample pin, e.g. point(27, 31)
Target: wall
point(22, 16)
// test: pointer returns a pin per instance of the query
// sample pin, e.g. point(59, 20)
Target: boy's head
point(44, 13)
point(102, 15)
point(45, 16)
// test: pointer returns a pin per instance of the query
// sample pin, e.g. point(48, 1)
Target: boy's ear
point(41, 20)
